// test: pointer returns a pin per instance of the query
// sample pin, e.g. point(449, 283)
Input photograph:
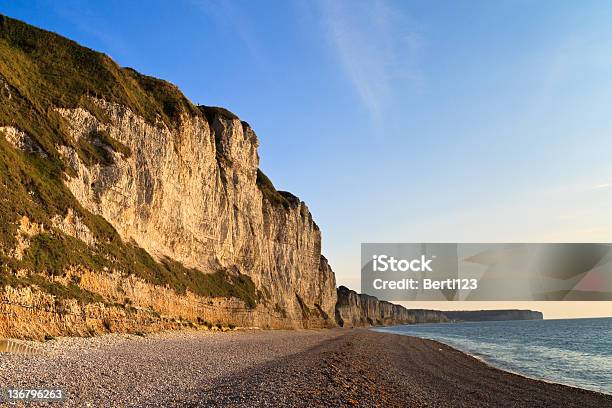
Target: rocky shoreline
point(338, 367)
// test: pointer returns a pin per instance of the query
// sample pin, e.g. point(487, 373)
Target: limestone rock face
point(20, 140)
point(190, 193)
point(357, 310)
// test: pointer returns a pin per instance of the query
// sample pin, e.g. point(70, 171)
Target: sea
point(575, 352)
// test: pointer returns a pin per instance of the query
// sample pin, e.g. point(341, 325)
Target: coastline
point(493, 359)
point(492, 365)
point(338, 367)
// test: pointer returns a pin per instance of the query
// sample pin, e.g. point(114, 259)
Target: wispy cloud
point(601, 186)
point(377, 46)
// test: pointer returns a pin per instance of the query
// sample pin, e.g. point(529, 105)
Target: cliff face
point(359, 310)
point(191, 194)
point(126, 207)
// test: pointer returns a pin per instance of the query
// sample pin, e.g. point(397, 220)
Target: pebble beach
point(301, 368)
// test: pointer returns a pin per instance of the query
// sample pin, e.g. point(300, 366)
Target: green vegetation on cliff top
point(39, 71)
point(50, 70)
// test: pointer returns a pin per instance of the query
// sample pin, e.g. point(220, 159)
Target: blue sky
point(396, 121)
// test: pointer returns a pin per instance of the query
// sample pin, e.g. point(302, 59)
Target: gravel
point(303, 368)
point(367, 369)
point(162, 369)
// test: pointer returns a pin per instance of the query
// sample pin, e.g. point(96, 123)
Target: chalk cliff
point(125, 207)
point(191, 194)
point(124, 202)
point(357, 310)
point(360, 310)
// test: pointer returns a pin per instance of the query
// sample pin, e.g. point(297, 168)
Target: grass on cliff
point(96, 148)
point(50, 70)
point(39, 71)
point(60, 291)
point(220, 284)
point(271, 194)
point(281, 198)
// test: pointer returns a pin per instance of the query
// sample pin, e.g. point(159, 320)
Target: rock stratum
point(125, 207)
point(362, 310)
